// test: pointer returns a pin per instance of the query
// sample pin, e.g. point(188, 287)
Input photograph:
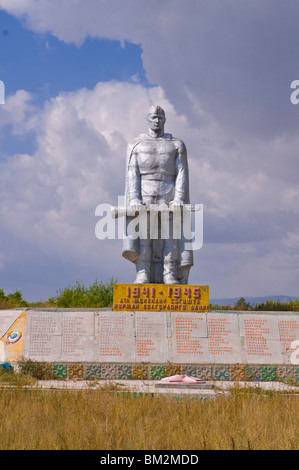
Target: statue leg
point(143, 263)
point(183, 274)
point(169, 272)
point(157, 261)
point(170, 258)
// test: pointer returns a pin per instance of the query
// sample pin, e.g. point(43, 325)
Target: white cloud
point(236, 58)
point(224, 72)
point(19, 112)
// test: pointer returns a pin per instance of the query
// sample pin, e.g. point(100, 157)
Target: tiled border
point(117, 371)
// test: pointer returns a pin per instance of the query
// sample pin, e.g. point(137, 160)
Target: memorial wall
point(121, 340)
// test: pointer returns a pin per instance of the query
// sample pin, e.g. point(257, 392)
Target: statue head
point(156, 119)
point(156, 110)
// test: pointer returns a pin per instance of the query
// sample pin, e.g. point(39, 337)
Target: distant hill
point(253, 300)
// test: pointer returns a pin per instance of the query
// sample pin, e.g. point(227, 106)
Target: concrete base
point(148, 387)
point(107, 344)
point(180, 386)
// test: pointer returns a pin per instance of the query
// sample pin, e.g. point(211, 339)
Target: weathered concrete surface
point(115, 337)
point(213, 390)
point(7, 318)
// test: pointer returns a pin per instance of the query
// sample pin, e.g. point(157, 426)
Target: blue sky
point(79, 78)
point(45, 66)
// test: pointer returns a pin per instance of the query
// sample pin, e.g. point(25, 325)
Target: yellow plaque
point(161, 297)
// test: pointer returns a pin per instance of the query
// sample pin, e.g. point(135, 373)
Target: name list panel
point(78, 336)
point(151, 337)
point(224, 338)
point(43, 336)
point(189, 337)
point(262, 339)
point(116, 337)
point(289, 333)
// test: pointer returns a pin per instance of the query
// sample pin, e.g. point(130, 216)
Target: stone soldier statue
point(157, 173)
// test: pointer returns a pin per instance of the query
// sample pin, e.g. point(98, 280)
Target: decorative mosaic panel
point(221, 372)
point(237, 373)
point(204, 372)
point(140, 372)
point(28, 367)
point(286, 373)
point(59, 371)
point(253, 373)
point(157, 372)
point(43, 371)
point(268, 373)
point(92, 371)
point(171, 369)
point(108, 371)
point(114, 371)
point(189, 370)
point(124, 371)
point(75, 371)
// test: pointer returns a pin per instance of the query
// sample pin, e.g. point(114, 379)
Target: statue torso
point(156, 156)
point(155, 159)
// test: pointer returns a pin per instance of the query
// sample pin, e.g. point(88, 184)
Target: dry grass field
point(105, 419)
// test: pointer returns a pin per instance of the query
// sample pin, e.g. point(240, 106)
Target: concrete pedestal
point(107, 344)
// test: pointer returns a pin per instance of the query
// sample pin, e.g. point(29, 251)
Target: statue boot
point(143, 269)
point(169, 273)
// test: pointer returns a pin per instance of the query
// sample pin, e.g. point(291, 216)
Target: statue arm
point(182, 177)
point(134, 180)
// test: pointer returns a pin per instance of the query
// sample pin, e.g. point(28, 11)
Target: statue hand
point(175, 204)
point(136, 205)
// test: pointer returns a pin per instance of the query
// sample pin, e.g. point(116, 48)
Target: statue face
point(156, 121)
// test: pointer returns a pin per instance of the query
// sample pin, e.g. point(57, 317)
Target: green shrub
point(14, 300)
point(268, 305)
point(97, 295)
point(272, 305)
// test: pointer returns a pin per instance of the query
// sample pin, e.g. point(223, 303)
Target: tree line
point(100, 295)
